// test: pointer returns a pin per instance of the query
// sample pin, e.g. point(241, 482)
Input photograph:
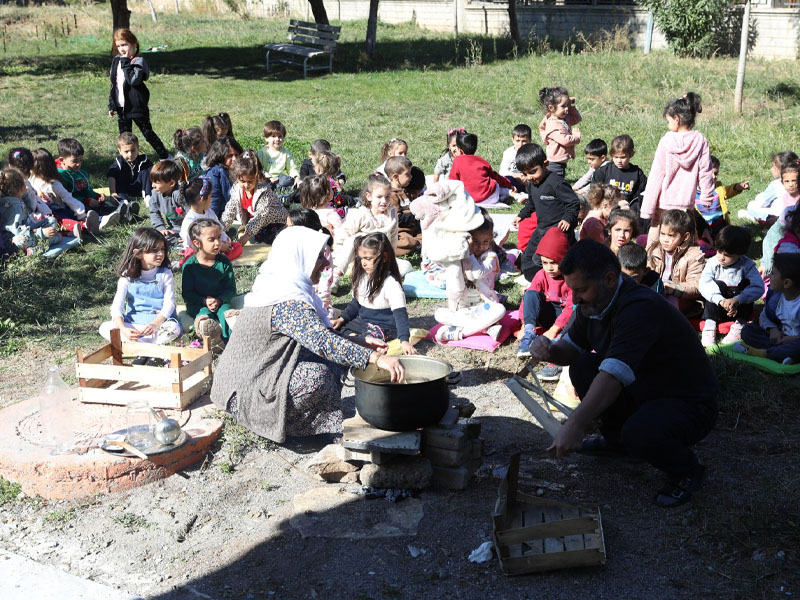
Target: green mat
point(765, 364)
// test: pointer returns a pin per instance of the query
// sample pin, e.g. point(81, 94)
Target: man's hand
point(540, 348)
point(567, 440)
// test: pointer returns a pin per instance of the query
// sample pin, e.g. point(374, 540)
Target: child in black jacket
point(620, 172)
point(129, 95)
point(550, 197)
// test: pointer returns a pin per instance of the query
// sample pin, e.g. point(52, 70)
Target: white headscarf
point(286, 274)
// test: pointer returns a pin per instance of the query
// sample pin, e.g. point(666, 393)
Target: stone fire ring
point(88, 470)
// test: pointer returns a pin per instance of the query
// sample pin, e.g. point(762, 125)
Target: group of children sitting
point(670, 231)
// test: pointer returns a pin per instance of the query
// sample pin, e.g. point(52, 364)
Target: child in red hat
point(548, 300)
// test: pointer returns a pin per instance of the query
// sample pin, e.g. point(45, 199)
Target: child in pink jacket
point(559, 137)
point(682, 164)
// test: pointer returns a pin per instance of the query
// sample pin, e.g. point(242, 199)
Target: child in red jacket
point(548, 300)
point(480, 181)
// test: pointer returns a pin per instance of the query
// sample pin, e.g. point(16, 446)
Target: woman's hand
point(243, 239)
point(336, 323)
point(375, 344)
point(408, 349)
point(392, 364)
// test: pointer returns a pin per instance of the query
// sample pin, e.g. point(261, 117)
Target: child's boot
point(709, 336)
point(735, 333)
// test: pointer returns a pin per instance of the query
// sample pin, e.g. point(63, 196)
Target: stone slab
point(88, 470)
point(357, 434)
point(25, 579)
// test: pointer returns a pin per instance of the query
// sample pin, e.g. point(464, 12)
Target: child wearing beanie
point(548, 300)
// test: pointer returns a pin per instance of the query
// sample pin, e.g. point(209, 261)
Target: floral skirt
point(315, 397)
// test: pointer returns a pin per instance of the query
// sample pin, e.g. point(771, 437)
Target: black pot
point(421, 401)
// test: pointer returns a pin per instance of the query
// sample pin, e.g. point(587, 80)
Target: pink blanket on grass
point(508, 324)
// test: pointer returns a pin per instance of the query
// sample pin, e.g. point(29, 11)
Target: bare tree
point(320, 14)
point(120, 13)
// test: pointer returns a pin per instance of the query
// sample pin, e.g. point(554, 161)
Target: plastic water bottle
point(55, 411)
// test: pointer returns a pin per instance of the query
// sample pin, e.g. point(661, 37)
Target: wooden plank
point(297, 50)
point(96, 383)
point(154, 397)
point(79, 353)
point(557, 527)
point(320, 26)
point(98, 356)
point(594, 539)
point(325, 36)
point(175, 365)
point(548, 422)
point(116, 346)
point(537, 563)
point(207, 350)
point(316, 42)
point(517, 522)
point(196, 365)
point(193, 387)
point(547, 529)
point(157, 351)
point(572, 542)
point(155, 376)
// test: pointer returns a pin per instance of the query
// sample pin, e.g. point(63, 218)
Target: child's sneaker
point(734, 335)
point(133, 210)
point(709, 336)
point(92, 222)
point(77, 232)
point(449, 333)
point(551, 372)
point(494, 331)
point(746, 216)
point(109, 220)
point(524, 349)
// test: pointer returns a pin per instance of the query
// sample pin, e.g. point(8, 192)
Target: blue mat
point(415, 285)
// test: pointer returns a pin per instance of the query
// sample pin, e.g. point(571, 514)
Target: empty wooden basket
point(532, 534)
point(175, 386)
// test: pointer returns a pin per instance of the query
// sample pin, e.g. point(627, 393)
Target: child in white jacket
point(730, 285)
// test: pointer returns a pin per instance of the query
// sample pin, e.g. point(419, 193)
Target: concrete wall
point(778, 29)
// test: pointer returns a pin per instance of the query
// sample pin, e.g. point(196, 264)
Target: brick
point(451, 439)
point(447, 458)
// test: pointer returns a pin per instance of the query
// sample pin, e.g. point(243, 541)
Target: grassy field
point(421, 85)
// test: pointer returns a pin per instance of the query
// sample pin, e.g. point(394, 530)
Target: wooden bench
point(306, 41)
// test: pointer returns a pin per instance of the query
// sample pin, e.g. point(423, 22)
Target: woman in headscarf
point(279, 375)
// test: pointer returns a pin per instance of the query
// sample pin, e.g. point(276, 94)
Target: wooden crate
point(533, 535)
point(176, 386)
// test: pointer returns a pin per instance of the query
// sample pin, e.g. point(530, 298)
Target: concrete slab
point(23, 579)
point(88, 470)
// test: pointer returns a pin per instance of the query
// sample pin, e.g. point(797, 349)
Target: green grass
point(9, 491)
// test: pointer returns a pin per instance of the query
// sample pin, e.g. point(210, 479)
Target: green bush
point(692, 27)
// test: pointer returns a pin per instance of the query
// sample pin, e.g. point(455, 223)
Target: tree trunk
point(320, 14)
point(372, 30)
point(513, 26)
point(120, 13)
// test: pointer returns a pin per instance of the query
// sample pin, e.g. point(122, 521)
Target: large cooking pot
point(420, 400)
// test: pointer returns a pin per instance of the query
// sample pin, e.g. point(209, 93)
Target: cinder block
point(451, 439)
point(447, 458)
point(451, 479)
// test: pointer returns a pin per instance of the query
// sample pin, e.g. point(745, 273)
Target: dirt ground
point(739, 538)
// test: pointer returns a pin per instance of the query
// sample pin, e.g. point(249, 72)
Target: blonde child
point(191, 146)
point(143, 308)
point(557, 129)
point(375, 214)
point(378, 308)
point(760, 208)
point(602, 199)
point(208, 284)
point(217, 126)
point(678, 260)
point(682, 164)
point(253, 202)
point(197, 198)
point(21, 224)
point(623, 228)
point(444, 163)
point(329, 165)
point(394, 147)
point(129, 97)
point(730, 284)
point(279, 165)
